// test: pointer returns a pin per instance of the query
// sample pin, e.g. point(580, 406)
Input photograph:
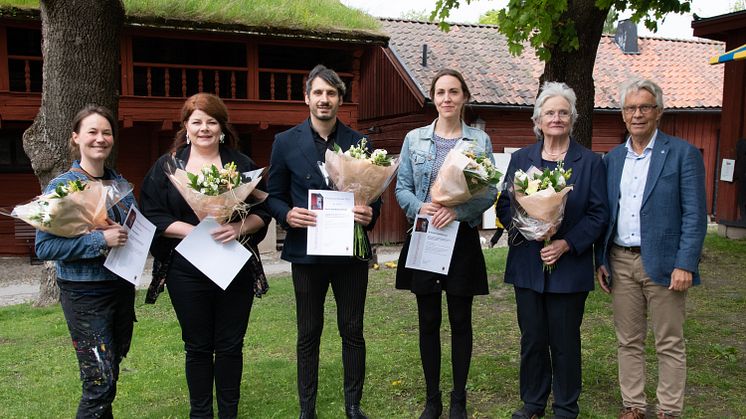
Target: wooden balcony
point(154, 92)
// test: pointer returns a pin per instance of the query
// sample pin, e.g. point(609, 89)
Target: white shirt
point(631, 189)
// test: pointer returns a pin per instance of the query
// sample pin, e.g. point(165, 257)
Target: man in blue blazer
point(293, 171)
point(649, 256)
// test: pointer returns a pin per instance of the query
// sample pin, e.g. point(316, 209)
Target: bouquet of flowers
point(74, 207)
point(216, 192)
point(366, 175)
point(540, 197)
point(466, 171)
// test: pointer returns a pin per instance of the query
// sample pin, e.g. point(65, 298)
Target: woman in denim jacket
point(99, 306)
point(422, 155)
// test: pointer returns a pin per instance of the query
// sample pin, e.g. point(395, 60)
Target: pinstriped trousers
point(349, 283)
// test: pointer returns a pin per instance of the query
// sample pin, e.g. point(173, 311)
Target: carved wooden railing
point(179, 80)
point(22, 77)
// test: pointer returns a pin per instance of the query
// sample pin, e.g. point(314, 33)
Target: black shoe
point(433, 408)
point(307, 414)
point(354, 412)
point(458, 406)
point(524, 413)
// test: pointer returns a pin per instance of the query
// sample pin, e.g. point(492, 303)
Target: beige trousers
point(634, 297)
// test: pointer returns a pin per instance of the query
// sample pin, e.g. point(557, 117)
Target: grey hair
point(329, 76)
point(549, 90)
point(635, 85)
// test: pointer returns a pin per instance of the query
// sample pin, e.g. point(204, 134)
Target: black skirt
point(467, 273)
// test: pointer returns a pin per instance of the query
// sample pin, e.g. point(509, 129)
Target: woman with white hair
point(550, 303)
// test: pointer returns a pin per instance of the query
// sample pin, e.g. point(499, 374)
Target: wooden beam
point(125, 60)
point(5, 78)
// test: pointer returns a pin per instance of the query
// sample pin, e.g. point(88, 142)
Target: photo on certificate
point(335, 222)
point(431, 248)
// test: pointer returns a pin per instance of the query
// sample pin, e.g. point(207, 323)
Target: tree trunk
point(576, 67)
point(80, 46)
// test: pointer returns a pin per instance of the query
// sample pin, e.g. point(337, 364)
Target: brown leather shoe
point(631, 413)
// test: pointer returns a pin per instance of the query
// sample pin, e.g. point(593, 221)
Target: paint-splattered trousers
point(100, 316)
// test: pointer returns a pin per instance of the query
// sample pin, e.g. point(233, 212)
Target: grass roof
point(315, 16)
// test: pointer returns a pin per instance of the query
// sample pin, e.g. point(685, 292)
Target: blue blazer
point(673, 216)
point(293, 170)
point(586, 215)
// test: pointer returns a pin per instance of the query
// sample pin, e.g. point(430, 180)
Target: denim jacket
point(80, 258)
point(415, 170)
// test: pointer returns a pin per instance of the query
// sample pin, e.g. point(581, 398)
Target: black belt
point(631, 249)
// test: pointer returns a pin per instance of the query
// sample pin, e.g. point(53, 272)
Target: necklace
point(550, 154)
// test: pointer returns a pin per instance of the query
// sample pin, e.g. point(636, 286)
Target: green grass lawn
point(320, 15)
point(39, 378)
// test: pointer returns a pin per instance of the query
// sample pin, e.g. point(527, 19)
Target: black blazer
point(586, 217)
point(293, 170)
point(162, 203)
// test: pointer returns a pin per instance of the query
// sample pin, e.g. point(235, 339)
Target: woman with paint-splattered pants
point(99, 306)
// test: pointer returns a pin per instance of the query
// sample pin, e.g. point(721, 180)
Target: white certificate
point(727, 169)
point(218, 261)
point(430, 248)
point(334, 231)
point(128, 261)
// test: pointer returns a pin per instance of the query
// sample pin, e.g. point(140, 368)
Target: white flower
point(521, 176)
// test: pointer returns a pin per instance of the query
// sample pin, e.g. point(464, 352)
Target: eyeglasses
point(563, 114)
point(644, 109)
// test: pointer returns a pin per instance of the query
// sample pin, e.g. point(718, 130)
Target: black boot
point(433, 407)
point(458, 406)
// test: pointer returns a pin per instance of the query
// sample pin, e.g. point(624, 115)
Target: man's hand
point(602, 275)
point(681, 280)
point(300, 218)
point(363, 214)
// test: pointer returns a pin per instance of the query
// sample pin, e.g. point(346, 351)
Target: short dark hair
point(84, 113)
point(329, 76)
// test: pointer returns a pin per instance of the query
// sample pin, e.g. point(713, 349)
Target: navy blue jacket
point(586, 216)
point(293, 170)
point(673, 215)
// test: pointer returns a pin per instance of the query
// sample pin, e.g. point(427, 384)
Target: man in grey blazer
point(649, 256)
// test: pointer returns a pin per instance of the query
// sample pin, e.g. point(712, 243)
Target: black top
point(163, 205)
point(324, 144)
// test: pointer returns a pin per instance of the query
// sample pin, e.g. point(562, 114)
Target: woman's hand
point(443, 217)
point(226, 232)
point(115, 235)
point(551, 253)
point(363, 214)
point(429, 208)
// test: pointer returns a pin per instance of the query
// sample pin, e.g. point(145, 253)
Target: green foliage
point(610, 23)
point(292, 14)
point(422, 15)
point(544, 24)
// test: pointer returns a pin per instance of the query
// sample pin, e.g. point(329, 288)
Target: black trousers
point(550, 349)
point(213, 325)
point(349, 283)
point(430, 316)
point(100, 316)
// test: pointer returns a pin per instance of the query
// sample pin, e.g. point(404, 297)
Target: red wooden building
point(731, 29)
point(260, 75)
